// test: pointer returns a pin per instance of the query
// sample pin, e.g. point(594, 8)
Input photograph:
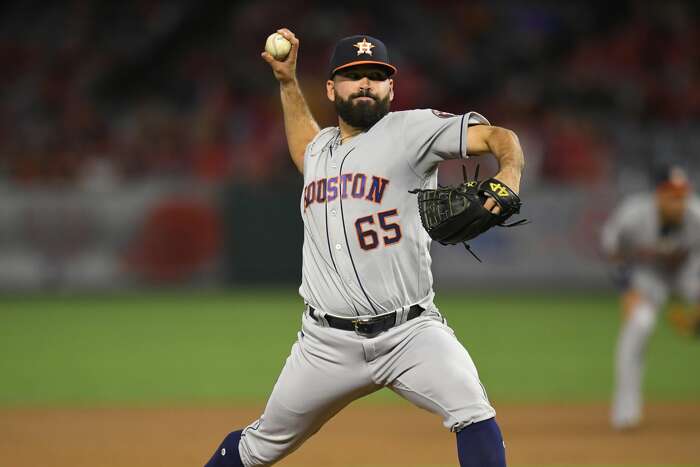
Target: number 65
point(369, 239)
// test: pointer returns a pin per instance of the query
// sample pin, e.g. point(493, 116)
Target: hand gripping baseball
point(284, 70)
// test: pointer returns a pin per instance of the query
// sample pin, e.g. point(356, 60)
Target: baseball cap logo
point(364, 47)
point(358, 50)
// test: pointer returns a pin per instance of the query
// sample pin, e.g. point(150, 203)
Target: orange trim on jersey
point(364, 62)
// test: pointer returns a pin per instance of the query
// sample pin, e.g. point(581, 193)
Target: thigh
point(651, 285)
point(312, 387)
point(435, 372)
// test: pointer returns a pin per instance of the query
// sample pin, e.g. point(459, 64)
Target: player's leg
point(481, 444)
point(324, 372)
point(427, 365)
point(226, 455)
point(640, 305)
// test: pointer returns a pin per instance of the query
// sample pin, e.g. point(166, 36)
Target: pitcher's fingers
point(267, 57)
point(295, 48)
point(289, 35)
point(490, 203)
point(492, 206)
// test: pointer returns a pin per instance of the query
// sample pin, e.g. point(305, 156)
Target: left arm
point(505, 147)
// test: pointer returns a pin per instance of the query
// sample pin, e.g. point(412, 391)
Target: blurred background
point(141, 142)
point(150, 237)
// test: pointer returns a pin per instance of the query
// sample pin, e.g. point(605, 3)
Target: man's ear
point(330, 90)
point(391, 90)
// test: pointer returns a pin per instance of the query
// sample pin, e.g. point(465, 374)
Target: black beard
point(362, 114)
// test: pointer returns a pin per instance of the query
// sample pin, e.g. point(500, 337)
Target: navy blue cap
point(359, 50)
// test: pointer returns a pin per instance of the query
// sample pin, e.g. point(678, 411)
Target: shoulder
point(398, 117)
point(322, 138)
point(636, 206)
point(417, 116)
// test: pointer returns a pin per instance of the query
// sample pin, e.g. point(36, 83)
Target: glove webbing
point(476, 181)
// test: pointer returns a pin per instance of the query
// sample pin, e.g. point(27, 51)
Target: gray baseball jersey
point(365, 250)
point(365, 253)
point(635, 224)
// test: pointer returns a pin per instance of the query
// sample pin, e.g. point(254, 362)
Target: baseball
point(277, 46)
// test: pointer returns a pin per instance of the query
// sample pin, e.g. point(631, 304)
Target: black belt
point(368, 326)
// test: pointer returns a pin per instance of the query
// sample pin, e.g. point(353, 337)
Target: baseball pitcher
point(370, 205)
point(655, 241)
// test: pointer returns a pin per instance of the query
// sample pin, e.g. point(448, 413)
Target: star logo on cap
point(364, 47)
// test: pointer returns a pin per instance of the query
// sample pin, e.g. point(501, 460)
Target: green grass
point(213, 348)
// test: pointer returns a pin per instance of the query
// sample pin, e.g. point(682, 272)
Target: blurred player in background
point(654, 240)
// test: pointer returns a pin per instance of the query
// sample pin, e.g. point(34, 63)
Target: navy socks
point(227, 453)
point(481, 445)
point(478, 445)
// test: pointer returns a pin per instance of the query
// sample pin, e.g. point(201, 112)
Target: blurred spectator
point(179, 239)
point(177, 89)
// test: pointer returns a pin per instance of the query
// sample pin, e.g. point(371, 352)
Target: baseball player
point(370, 321)
point(655, 240)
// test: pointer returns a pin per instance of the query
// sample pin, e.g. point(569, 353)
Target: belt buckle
point(359, 322)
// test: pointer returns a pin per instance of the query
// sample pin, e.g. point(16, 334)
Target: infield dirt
point(361, 435)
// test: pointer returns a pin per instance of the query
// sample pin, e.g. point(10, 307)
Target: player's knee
point(643, 317)
point(634, 299)
point(226, 454)
point(629, 301)
point(481, 445)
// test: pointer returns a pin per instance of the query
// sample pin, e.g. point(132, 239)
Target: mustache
point(364, 93)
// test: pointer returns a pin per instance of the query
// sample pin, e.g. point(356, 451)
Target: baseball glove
point(456, 214)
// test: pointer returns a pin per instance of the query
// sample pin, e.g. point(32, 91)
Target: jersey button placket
point(335, 223)
point(337, 230)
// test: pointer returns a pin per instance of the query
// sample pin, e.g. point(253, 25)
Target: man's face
point(362, 94)
point(672, 204)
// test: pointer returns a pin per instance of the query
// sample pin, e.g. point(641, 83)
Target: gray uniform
point(365, 253)
point(635, 225)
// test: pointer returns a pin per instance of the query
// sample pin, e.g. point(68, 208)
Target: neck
point(347, 131)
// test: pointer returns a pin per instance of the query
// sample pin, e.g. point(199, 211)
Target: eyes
point(372, 75)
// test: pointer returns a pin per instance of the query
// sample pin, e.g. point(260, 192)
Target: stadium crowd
point(113, 92)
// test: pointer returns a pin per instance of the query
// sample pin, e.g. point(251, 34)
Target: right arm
point(299, 124)
point(617, 246)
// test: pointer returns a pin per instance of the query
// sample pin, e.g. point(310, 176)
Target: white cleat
point(628, 423)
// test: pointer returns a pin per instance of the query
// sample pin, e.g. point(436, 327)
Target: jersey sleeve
point(616, 228)
point(611, 233)
point(430, 137)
